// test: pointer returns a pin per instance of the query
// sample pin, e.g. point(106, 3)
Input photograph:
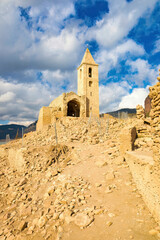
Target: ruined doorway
point(73, 108)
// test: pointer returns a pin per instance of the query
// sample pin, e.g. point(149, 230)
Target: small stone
point(60, 229)
point(55, 216)
point(110, 176)
point(82, 220)
point(101, 163)
point(23, 181)
point(61, 216)
point(109, 223)
point(42, 221)
point(153, 232)
point(68, 219)
point(98, 211)
point(98, 184)
point(1, 173)
point(23, 225)
point(111, 215)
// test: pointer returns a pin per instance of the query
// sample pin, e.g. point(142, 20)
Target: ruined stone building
point(83, 104)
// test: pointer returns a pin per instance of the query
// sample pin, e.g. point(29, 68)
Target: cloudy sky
point(42, 44)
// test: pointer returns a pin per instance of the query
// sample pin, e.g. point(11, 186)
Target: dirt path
point(125, 214)
point(92, 197)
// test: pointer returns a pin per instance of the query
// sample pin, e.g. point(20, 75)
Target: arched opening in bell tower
point(90, 72)
point(73, 108)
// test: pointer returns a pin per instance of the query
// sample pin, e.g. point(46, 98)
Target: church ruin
point(83, 104)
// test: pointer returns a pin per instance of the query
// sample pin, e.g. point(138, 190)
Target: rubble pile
point(90, 131)
point(40, 198)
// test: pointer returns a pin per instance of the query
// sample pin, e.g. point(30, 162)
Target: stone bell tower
point(88, 84)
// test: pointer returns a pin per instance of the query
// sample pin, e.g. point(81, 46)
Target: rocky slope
point(80, 188)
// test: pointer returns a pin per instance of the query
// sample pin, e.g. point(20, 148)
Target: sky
point(43, 42)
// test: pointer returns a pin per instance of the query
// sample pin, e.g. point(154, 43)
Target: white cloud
point(116, 24)
point(156, 47)
point(7, 97)
point(133, 99)
point(111, 95)
point(59, 79)
point(24, 49)
point(142, 72)
point(108, 59)
point(21, 102)
point(25, 123)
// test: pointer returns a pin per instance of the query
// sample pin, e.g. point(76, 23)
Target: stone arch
point(73, 108)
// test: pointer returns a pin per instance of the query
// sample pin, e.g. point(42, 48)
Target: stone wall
point(147, 106)
point(145, 166)
point(16, 158)
point(58, 102)
point(146, 179)
point(44, 118)
point(127, 138)
point(140, 112)
point(155, 120)
point(58, 109)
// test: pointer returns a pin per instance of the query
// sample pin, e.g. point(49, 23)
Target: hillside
point(130, 111)
point(12, 130)
point(31, 127)
point(78, 189)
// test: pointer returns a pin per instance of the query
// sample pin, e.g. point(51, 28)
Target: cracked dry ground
point(93, 198)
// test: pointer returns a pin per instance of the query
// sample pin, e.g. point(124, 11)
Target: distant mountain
point(15, 129)
point(31, 127)
point(12, 130)
point(131, 111)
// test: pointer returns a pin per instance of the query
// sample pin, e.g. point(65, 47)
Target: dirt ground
point(126, 215)
point(81, 189)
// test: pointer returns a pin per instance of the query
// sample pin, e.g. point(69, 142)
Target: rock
point(110, 176)
point(101, 163)
point(42, 221)
point(22, 182)
point(1, 173)
point(109, 223)
point(153, 232)
point(98, 211)
point(82, 220)
point(111, 215)
point(98, 184)
point(23, 225)
point(68, 219)
point(60, 229)
point(84, 131)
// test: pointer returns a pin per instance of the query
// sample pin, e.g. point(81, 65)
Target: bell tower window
point(90, 72)
point(80, 73)
point(90, 83)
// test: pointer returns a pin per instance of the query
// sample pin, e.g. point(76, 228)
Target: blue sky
point(42, 44)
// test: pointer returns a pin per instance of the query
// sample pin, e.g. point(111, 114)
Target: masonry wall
point(145, 168)
point(146, 179)
point(44, 118)
point(58, 102)
point(155, 120)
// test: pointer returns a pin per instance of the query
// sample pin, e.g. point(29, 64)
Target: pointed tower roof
point(88, 59)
